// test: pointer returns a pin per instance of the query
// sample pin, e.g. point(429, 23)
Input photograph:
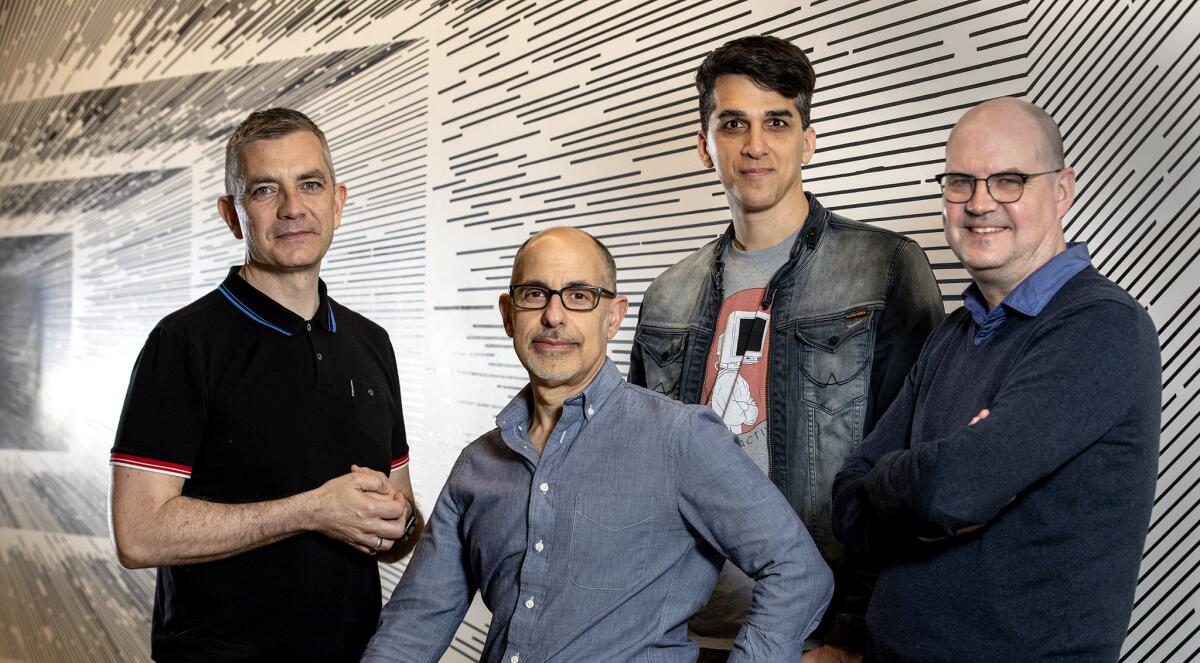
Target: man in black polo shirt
point(251, 459)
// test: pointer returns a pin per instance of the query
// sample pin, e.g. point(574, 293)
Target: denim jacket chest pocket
point(833, 358)
point(610, 540)
point(662, 358)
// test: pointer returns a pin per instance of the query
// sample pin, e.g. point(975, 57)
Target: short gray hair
point(264, 124)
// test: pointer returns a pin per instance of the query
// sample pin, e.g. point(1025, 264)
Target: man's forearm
point(185, 530)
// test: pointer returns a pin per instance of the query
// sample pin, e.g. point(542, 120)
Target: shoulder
point(358, 323)
point(685, 272)
point(197, 320)
point(666, 413)
point(866, 236)
point(1091, 296)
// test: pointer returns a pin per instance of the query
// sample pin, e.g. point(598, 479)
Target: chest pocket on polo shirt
point(610, 540)
point(833, 354)
point(372, 412)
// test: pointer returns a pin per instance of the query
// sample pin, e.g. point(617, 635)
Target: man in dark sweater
point(1006, 492)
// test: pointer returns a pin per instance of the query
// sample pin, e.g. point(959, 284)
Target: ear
point(339, 201)
point(702, 149)
point(1064, 191)
point(616, 313)
point(810, 145)
point(506, 313)
point(227, 208)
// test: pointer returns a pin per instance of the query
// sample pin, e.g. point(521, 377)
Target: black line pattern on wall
point(462, 126)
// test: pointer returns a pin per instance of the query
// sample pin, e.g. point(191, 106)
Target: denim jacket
point(851, 309)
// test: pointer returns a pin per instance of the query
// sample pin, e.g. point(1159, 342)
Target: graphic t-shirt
point(735, 387)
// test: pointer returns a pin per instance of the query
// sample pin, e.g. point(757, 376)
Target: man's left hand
point(831, 654)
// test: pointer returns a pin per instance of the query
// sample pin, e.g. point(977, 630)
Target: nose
point(289, 204)
point(555, 314)
point(981, 201)
point(755, 146)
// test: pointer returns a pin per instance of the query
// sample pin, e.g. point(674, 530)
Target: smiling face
point(1002, 243)
point(755, 140)
point(558, 347)
point(290, 205)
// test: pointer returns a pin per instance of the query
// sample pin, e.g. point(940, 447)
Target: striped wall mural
point(462, 126)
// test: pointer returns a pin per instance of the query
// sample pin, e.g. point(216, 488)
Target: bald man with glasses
point(1006, 492)
point(595, 518)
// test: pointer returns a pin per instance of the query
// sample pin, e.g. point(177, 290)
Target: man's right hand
point(357, 508)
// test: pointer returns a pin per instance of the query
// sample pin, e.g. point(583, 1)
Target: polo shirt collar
point(267, 312)
point(590, 400)
point(1031, 295)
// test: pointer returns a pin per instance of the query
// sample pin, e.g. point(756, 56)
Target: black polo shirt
point(249, 402)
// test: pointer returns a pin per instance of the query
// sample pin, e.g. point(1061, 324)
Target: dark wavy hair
point(768, 61)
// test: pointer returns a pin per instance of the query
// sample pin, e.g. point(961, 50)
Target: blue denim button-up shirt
point(601, 548)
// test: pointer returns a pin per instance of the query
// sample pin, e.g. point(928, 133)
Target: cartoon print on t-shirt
point(736, 374)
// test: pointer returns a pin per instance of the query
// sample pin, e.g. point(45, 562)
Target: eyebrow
point(311, 175)
point(733, 112)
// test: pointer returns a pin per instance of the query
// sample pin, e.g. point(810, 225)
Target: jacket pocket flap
point(829, 335)
point(664, 347)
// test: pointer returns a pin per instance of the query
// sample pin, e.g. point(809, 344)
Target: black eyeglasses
point(1002, 187)
point(574, 298)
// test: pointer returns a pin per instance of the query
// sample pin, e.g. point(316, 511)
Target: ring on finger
point(378, 545)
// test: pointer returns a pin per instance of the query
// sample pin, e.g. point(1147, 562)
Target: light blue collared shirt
point(1030, 296)
point(601, 547)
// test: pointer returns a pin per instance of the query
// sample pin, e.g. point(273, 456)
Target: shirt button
point(529, 603)
point(515, 658)
point(319, 357)
point(591, 411)
point(308, 326)
point(370, 392)
point(544, 487)
point(538, 546)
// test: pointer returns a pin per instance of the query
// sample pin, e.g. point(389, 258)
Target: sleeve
point(1072, 384)
point(729, 503)
point(162, 423)
point(399, 434)
point(913, 309)
point(419, 622)
point(855, 522)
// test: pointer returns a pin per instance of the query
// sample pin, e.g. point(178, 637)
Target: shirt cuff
point(400, 462)
point(154, 465)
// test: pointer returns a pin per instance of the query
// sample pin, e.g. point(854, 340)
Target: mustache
point(553, 335)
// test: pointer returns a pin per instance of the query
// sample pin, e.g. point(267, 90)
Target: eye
point(957, 182)
point(312, 186)
point(578, 295)
point(261, 192)
point(1007, 180)
point(777, 122)
point(730, 125)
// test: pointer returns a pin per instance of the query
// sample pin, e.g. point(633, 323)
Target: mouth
point(293, 234)
point(756, 172)
point(551, 344)
point(984, 230)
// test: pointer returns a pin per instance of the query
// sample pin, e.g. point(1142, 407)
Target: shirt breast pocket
point(372, 412)
point(610, 541)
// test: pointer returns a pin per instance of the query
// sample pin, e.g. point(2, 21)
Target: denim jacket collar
point(809, 236)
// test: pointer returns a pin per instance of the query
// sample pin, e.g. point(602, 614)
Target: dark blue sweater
point(1060, 477)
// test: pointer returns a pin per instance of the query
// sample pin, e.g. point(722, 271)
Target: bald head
point(571, 240)
point(1015, 115)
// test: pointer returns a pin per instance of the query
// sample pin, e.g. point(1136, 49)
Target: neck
point(997, 285)
point(295, 291)
point(547, 405)
point(757, 230)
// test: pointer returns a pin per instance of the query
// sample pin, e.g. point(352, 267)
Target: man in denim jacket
point(797, 326)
